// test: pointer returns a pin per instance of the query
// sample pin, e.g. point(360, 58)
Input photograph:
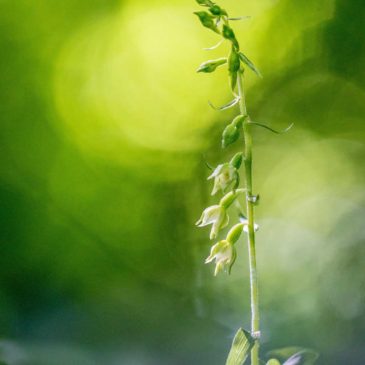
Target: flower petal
point(216, 171)
point(209, 216)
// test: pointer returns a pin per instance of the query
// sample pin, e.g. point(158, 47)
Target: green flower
point(227, 173)
point(223, 176)
point(224, 254)
point(215, 215)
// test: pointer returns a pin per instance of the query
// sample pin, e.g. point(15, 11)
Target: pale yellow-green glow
point(127, 84)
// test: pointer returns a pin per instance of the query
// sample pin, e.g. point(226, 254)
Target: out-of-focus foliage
point(103, 129)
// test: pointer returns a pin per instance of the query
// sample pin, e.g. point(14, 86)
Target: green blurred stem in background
point(255, 315)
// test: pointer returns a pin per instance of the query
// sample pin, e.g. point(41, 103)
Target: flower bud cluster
point(212, 19)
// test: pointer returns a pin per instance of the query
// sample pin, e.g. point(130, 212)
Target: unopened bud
point(207, 20)
point(235, 233)
point(210, 66)
point(236, 160)
point(230, 135)
point(217, 10)
point(228, 199)
point(228, 33)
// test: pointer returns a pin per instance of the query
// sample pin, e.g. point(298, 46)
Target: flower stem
point(255, 316)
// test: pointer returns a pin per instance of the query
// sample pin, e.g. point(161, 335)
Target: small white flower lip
point(216, 171)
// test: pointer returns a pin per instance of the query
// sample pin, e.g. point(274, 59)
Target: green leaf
point(211, 65)
point(250, 65)
point(273, 362)
point(241, 346)
point(304, 357)
point(225, 106)
point(207, 20)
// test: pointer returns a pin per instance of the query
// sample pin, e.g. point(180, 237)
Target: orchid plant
point(226, 179)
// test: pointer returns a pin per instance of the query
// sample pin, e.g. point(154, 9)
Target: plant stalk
point(255, 316)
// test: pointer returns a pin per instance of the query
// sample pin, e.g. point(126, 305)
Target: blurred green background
point(105, 128)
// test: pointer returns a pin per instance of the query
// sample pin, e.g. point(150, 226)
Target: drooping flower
point(226, 174)
point(224, 254)
point(215, 215)
point(223, 176)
